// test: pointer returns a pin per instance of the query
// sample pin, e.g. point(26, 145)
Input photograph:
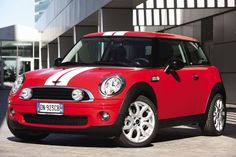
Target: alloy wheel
point(139, 123)
point(219, 115)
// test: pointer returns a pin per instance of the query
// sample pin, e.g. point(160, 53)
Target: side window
point(167, 50)
point(195, 54)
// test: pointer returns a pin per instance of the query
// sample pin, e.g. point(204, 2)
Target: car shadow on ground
point(72, 141)
point(230, 129)
point(177, 133)
point(164, 135)
point(90, 141)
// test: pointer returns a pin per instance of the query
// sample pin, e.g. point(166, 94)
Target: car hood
point(74, 76)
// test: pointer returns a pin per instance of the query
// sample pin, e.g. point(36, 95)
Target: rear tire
point(30, 136)
point(140, 124)
point(215, 121)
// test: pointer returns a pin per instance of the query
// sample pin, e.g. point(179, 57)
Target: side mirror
point(173, 65)
point(58, 61)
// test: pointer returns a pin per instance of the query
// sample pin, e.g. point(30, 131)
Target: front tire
point(216, 117)
point(29, 136)
point(140, 124)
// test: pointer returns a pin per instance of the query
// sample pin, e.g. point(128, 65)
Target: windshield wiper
point(111, 63)
point(96, 63)
point(74, 63)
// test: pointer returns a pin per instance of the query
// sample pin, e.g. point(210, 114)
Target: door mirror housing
point(58, 61)
point(173, 65)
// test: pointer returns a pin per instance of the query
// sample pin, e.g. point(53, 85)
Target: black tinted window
point(195, 54)
point(167, 50)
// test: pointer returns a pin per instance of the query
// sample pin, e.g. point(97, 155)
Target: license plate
point(50, 108)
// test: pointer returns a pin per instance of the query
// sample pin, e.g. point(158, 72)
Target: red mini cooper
point(125, 85)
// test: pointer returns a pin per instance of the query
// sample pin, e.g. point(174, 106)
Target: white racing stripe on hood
point(64, 80)
point(56, 76)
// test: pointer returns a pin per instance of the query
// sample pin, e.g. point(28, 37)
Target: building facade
point(19, 52)
point(40, 7)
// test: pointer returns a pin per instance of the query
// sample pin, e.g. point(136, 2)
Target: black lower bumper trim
point(109, 130)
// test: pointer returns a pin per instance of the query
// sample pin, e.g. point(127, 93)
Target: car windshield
point(112, 51)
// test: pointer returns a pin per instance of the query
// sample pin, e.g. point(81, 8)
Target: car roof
point(141, 34)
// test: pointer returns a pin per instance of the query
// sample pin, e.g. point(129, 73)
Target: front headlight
point(17, 84)
point(26, 94)
point(112, 85)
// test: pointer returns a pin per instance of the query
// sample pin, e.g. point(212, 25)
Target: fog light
point(26, 93)
point(77, 95)
point(12, 112)
point(105, 116)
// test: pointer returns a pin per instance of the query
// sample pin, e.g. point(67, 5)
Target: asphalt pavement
point(175, 142)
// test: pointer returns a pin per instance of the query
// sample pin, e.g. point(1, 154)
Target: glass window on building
point(8, 48)
point(25, 49)
point(36, 64)
point(17, 57)
point(36, 49)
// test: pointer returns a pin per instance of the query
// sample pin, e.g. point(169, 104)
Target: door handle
point(195, 77)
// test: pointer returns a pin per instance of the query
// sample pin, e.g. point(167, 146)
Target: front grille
point(56, 120)
point(50, 93)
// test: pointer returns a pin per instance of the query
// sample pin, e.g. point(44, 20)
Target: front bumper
point(90, 110)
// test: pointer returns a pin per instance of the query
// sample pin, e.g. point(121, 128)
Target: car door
point(200, 70)
point(174, 91)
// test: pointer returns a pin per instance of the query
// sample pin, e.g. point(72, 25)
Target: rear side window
point(167, 50)
point(195, 54)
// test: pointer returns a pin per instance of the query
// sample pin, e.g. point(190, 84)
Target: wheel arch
point(217, 88)
point(140, 88)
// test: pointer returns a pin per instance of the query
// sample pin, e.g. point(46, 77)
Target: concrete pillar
point(65, 43)
point(58, 47)
point(40, 55)
point(100, 20)
point(115, 20)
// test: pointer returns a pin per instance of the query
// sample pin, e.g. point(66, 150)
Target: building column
point(48, 60)
point(115, 20)
point(40, 55)
point(58, 47)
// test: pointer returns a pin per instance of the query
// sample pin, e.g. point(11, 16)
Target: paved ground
point(178, 141)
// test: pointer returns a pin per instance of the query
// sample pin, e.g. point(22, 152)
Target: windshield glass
point(113, 51)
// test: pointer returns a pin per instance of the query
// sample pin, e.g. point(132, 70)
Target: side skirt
point(188, 120)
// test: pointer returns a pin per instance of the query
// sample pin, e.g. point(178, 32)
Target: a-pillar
point(110, 19)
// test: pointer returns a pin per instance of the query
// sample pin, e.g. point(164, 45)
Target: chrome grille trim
point(89, 95)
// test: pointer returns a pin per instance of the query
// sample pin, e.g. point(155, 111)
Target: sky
point(16, 12)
